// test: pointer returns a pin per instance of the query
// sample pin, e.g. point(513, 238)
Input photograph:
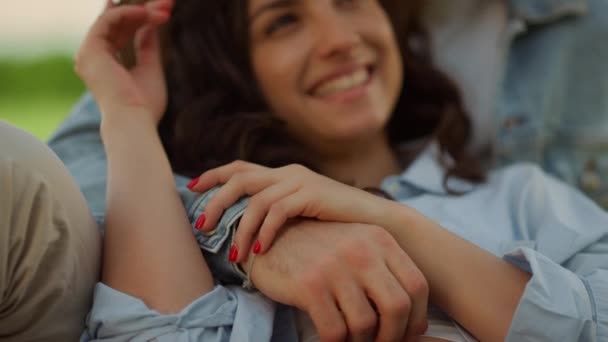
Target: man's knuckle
point(398, 305)
point(364, 323)
point(418, 286)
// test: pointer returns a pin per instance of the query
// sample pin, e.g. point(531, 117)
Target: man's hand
point(352, 279)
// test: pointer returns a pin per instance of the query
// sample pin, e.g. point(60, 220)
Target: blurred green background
point(36, 93)
point(38, 40)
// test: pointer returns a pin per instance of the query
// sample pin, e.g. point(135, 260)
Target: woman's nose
point(336, 36)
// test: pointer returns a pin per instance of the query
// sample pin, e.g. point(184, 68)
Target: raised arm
point(150, 251)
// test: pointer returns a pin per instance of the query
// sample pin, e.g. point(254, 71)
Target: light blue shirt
point(521, 214)
point(552, 109)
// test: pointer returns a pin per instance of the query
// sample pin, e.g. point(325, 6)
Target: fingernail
point(234, 254)
point(257, 247)
point(192, 183)
point(200, 222)
point(165, 10)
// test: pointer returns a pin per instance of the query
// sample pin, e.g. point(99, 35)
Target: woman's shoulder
point(519, 175)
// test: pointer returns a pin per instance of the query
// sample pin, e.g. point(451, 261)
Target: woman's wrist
point(391, 215)
point(122, 120)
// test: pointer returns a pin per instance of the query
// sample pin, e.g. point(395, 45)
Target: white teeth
point(343, 83)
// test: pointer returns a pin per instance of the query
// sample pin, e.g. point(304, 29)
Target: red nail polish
point(165, 10)
point(257, 247)
point(234, 254)
point(200, 222)
point(192, 183)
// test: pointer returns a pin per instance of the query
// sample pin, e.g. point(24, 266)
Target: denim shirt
point(552, 107)
point(521, 214)
point(553, 110)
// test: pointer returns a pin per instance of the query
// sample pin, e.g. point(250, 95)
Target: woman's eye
point(281, 22)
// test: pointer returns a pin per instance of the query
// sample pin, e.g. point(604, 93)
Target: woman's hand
point(116, 89)
point(280, 194)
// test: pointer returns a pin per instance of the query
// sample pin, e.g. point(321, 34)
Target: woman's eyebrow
point(271, 6)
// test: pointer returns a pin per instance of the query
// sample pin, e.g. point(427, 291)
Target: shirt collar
point(426, 174)
point(547, 11)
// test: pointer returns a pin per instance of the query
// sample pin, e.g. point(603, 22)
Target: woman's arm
point(150, 251)
point(478, 289)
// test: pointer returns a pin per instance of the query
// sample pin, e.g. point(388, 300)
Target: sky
point(34, 27)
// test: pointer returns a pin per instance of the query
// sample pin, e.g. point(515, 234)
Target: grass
point(39, 116)
point(36, 94)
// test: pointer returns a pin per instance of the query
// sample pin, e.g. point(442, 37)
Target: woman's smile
point(344, 86)
point(330, 70)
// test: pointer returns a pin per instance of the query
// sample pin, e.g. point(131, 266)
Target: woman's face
point(330, 69)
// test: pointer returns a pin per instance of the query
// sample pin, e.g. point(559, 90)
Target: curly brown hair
point(217, 114)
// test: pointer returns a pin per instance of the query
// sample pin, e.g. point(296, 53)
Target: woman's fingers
point(255, 214)
point(242, 184)
point(102, 41)
point(147, 42)
point(297, 203)
point(96, 61)
point(222, 174)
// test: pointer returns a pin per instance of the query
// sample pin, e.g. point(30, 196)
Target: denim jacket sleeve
point(552, 106)
point(78, 144)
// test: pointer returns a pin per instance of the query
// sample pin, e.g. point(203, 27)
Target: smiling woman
point(223, 102)
point(320, 98)
point(334, 91)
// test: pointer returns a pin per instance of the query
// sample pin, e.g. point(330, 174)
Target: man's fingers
point(414, 283)
point(361, 318)
point(328, 320)
point(392, 302)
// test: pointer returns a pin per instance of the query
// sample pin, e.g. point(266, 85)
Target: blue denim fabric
point(215, 243)
point(552, 107)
